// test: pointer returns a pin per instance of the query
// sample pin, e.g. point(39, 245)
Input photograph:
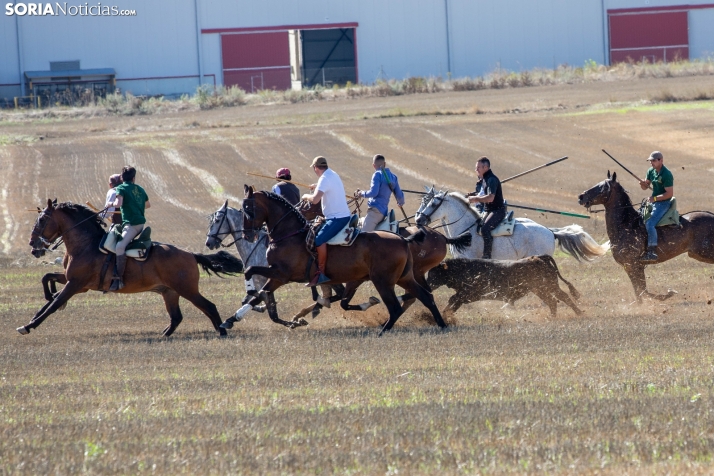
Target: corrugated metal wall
point(156, 51)
point(652, 36)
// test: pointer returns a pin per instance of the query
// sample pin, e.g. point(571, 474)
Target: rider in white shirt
point(331, 193)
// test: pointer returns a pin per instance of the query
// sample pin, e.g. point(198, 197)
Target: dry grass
point(206, 97)
point(624, 389)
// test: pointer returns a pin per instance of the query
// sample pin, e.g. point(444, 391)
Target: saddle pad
point(347, 235)
point(669, 218)
point(137, 249)
point(505, 228)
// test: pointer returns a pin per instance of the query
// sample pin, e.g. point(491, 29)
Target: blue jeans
point(331, 227)
point(658, 211)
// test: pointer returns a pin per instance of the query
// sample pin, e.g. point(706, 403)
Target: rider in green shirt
point(662, 182)
point(132, 200)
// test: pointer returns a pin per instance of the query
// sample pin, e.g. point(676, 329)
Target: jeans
point(331, 227)
point(658, 211)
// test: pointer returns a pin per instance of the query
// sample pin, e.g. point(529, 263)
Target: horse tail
point(417, 237)
point(549, 259)
point(220, 263)
point(461, 242)
point(577, 243)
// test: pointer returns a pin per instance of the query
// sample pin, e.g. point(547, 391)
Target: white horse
point(228, 221)
point(529, 238)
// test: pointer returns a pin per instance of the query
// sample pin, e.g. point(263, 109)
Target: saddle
point(347, 235)
point(671, 218)
point(505, 228)
point(389, 223)
point(137, 249)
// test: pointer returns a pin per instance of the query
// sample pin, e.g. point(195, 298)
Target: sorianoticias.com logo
point(57, 8)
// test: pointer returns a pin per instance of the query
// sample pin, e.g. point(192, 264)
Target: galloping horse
point(228, 221)
point(169, 271)
point(381, 257)
point(628, 236)
point(528, 239)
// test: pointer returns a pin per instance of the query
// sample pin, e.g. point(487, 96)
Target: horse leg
point(272, 307)
point(426, 298)
point(49, 286)
point(389, 297)
point(636, 273)
point(71, 288)
point(171, 300)
point(206, 307)
point(349, 293)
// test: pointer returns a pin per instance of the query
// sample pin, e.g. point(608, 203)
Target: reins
point(57, 242)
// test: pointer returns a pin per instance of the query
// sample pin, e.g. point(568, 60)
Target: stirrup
point(117, 283)
point(317, 279)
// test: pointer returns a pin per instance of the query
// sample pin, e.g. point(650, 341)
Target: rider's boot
point(487, 246)
point(319, 276)
point(650, 256)
point(117, 282)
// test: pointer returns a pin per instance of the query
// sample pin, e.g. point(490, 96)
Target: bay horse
point(426, 253)
point(628, 235)
point(381, 257)
point(169, 271)
point(228, 221)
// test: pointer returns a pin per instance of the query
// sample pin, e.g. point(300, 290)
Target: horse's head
point(45, 231)
point(600, 193)
point(255, 213)
point(218, 227)
point(430, 203)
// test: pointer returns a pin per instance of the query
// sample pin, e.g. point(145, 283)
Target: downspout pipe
point(199, 47)
point(448, 40)
point(20, 62)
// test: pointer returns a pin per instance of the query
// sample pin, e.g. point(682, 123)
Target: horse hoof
point(373, 301)
point(23, 330)
point(222, 333)
point(226, 325)
point(302, 322)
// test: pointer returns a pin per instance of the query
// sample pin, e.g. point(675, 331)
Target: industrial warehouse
point(171, 48)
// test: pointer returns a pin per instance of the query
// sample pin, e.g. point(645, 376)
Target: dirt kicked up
point(624, 388)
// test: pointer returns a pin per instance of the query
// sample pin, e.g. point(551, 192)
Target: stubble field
point(623, 389)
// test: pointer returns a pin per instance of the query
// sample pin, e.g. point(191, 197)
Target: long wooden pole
point(550, 211)
point(534, 169)
point(626, 169)
point(288, 181)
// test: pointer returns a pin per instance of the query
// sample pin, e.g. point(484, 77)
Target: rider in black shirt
point(488, 192)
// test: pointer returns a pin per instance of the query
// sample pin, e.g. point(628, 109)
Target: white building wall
point(396, 38)
point(701, 33)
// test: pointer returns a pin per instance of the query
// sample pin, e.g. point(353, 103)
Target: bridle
point(55, 243)
point(249, 212)
point(441, 199)
point(217, 235)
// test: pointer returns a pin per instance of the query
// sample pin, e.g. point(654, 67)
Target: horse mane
point(83, 213)
point(465, 200)
point(291, 207)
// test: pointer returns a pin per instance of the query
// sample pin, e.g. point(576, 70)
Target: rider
point(284, 188)
point(662, 182)
point(114, 181)
point(331, 193)
point(488, 192)
point(379, 193)
point(133, 200)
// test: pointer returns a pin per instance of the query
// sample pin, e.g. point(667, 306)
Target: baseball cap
point(656, 155)
point(319, 161)
point(284, 172)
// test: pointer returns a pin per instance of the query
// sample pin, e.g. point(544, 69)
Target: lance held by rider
point(384, 183)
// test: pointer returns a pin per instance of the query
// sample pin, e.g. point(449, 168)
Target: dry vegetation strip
point(95, 389)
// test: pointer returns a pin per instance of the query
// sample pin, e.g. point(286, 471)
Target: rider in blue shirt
point(379, 194)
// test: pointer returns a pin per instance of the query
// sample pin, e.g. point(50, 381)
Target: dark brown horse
point(426, 253)
point(628, 236)
point(380, 257)
point(169, 271)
